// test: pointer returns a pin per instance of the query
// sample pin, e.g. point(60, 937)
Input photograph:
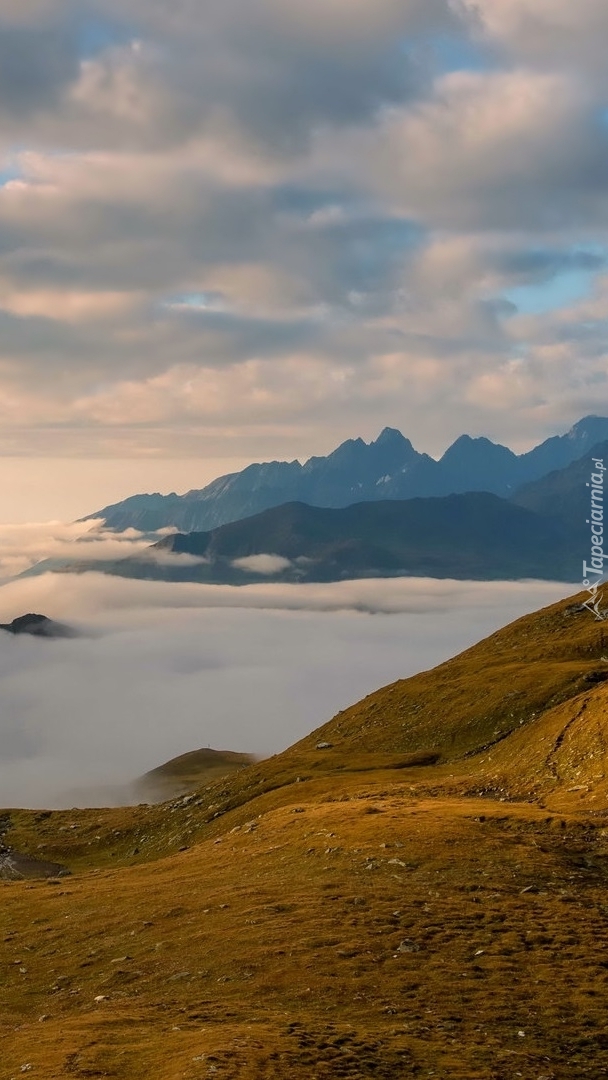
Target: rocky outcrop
point(38, 626)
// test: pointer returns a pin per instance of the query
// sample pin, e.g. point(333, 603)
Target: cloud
point(289, 223)
point(251, 668)
point(172, 558)
point(266, 565)
point(268, 73)
point(36, 66)
point(17, 13)
point(498, 150)
point(22, 546)
point(551, 31)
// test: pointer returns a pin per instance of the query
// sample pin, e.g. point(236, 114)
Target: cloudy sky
point(242, 229)
point(250, 669)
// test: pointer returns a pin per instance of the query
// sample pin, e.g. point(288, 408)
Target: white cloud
point(22, 546)
point(173, 558)
point(267, 565)
point(251, 668)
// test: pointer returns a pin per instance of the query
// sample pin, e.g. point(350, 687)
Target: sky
point(235, 230)
point(250, 669)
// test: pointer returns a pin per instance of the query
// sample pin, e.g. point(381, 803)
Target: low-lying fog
point(169, 668)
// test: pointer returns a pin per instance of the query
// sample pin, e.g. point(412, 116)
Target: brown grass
point(188, 772)
point(346, 912)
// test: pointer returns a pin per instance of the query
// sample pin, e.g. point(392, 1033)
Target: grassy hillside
point(426, 896)
point(189, 771)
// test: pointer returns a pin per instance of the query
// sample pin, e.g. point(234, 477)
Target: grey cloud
point(160, 237)
point(36, 67)
point(274, 76)
point(282, 69)
point(539, 166)
point(553, 33)
point(167, 241)
point(538, 264)
point(18, 13)
point(294, 163)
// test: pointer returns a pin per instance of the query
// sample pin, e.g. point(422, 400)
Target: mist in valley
point(161, 669)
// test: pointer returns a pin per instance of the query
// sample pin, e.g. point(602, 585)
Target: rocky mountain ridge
point(388, 468)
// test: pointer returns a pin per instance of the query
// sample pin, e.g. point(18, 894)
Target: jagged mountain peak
point(387, 468)
point(591, 429)
point(391, 437)
point(346, 449)
point(468, 446)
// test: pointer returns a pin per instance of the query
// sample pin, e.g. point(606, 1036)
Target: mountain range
point(472, 536)
point(539, 532)
point(389, 468)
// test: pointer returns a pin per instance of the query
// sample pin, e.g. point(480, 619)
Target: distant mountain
point(471, 536)
point(389, 468)
point(561, 450)
point(38, 626)
point(562, 496)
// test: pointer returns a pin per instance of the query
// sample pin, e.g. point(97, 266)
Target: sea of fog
point(166, 668)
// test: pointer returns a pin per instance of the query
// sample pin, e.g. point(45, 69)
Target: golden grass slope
point(189, 771)
point(347, 912)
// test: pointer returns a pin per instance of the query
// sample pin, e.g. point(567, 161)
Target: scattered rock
point(595, 676)
point(408, 946)
point(324, 746)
